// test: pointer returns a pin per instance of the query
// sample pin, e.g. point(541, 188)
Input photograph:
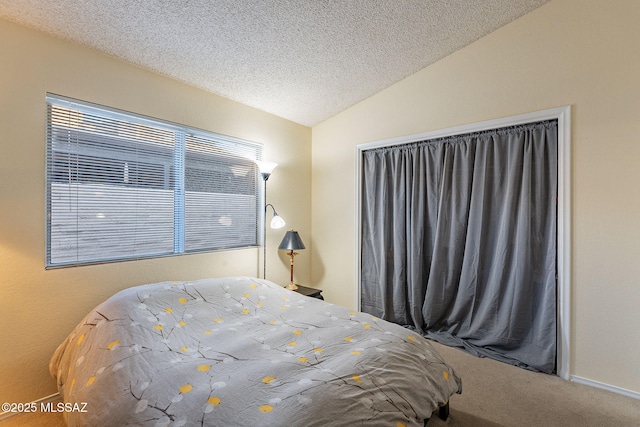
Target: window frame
point(184, 144)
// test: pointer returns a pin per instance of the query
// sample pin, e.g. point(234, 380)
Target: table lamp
point(291, 242)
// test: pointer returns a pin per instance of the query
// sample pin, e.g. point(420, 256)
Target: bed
point(243, 351)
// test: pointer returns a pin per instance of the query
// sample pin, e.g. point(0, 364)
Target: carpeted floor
point(498, 394)
point(494, 394)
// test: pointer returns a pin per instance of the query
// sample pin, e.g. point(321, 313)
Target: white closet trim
point(563, 115)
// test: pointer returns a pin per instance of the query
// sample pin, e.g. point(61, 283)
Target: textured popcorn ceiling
point(304, 60)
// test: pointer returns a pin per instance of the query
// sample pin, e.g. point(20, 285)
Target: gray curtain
point(459, 241)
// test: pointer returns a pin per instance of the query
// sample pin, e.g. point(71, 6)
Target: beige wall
point(582, 53)
point(39, 308)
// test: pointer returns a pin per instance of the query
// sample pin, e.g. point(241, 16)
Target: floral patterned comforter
point(241, 351)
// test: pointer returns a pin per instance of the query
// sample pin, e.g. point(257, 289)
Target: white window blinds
point(121, 186)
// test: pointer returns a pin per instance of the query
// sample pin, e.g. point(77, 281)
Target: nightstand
point(310, 292)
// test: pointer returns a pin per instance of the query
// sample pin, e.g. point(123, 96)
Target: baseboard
point(608, 387)
point(56, 396)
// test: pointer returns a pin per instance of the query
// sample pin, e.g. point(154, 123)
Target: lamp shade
point(266, 168)
point(277, 222)
point(291, 242)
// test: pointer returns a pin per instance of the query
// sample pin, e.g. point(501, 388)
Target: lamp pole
point(265, 177)
point(265, 171)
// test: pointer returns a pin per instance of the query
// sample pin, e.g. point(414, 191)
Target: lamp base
point(291, 286)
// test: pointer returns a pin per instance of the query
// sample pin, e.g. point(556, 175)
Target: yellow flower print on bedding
point(213, 400)
point(168, 310)
point(91, 380)
point(266, 408)
point(204, 368)
point(113, 344)
point(186, 388)
point(158, 327)
point(182, 300)
point(269, 379)
point(356, 378)
point(81, 339)
point(445, 374)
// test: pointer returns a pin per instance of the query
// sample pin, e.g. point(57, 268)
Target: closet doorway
point(463, 234)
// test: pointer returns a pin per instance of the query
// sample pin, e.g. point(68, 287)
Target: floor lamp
point(276, 222)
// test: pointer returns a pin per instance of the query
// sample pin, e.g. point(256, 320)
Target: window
point(122, 186)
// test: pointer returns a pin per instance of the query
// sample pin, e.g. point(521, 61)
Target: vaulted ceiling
point(303, 60)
